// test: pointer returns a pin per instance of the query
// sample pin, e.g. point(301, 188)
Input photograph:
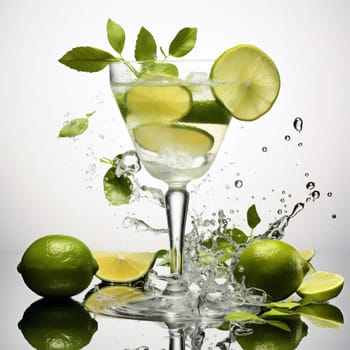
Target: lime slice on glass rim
point(173, 138)
point(321, 286)
point(248, 81)
point(155, 102)
point(123, 267)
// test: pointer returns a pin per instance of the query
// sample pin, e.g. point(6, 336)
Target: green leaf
point(116, 36)
point(146, 47)
point(253, 217)
point(165, 68)
point(279, 313)
point(117, 189)
point(240, 316)
point(74, 128)
point(87, 59)
point(279, 324)
point(184, 42)
point(238, 235)
point(283, 304)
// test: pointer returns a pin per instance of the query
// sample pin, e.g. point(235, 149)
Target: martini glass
point(177, 127)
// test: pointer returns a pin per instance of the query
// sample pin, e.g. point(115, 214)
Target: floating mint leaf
point(165, 68)
point(253, 217)
point(241, 316)
point(117, 189)
point(184, 42)
point(87, 59)
point(283, 304)
point(116, 36)
point(74, 128)
point(146, 47)
point(279, 313)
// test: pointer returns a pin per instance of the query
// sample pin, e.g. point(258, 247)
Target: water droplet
point(300, 144)
point(287, 138)
point(298, 124)
point(227, 187)
point(282, 200)
point(307, 174)
point(279, 211)
point(264, 149)
point(283, 192)
point(238, 183)
point(297, 208)
point(310, 185)
point(232, 211)
point(334, 216)
point(315, 195)
point(329, 194)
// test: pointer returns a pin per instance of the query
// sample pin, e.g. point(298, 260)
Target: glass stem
point(176, 200)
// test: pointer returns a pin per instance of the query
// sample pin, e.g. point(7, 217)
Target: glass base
point(172, 306)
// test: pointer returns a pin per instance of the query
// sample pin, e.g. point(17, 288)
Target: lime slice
point(307, 254)
point(121, 295)
point(158, 103)
point(210, 111)
point(173, 138)
point(248, 81)
point(321, 286)
point(123, 267)
point(323, 315)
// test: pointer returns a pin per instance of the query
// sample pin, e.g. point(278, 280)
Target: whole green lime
point(267, 337)
point(51, 324)
point(271, 265)
point(57, 266)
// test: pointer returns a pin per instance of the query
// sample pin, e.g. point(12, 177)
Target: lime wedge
point(158, 103)
point(323, 315)
point(121, 295)
point(307, 254)
point(123, 267)
point(248, 81)
point(173, 138)
point(321, 286)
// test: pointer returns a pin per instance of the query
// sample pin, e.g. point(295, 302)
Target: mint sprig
point(91, 59)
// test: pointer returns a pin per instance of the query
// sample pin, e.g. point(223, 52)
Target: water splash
point(140, 226)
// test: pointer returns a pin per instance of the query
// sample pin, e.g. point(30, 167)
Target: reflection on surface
point(66, 324)
point(50, 324)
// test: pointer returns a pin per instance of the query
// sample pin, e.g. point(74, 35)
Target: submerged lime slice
point(158, 103)
point(123, 267)
point(173, 139)
point(248, 81)
point(321, 286)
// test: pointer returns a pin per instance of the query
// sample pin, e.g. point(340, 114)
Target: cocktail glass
point(177, 127)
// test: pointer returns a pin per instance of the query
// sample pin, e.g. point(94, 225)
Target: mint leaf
point(117, 189)
point(165, 68)
point(279, 313)
point(146, 47)
point(253, 217)
point(184, 42)
point(87, 59)
point(240, 316)
point(116, 36)
point(74, 128)
point(283, 304)
point(238, 235)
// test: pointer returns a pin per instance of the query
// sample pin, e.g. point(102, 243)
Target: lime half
point(123, 267)
point(158, 103)
point(321, 286)
point(248, 81)
point(173, 138)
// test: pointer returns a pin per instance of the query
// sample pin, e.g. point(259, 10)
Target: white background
point(46, 183)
